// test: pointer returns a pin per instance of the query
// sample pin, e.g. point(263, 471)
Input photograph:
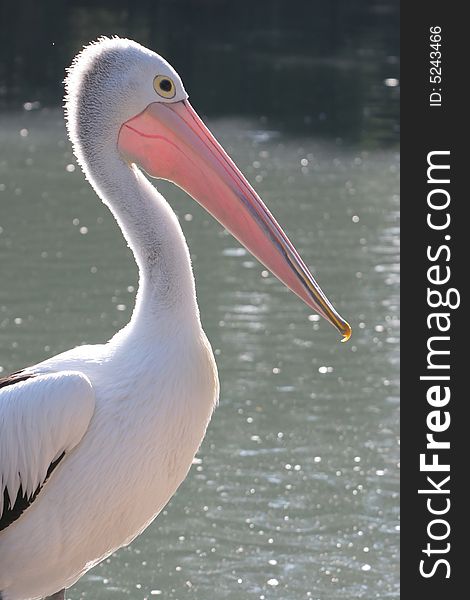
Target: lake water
point(294, 493)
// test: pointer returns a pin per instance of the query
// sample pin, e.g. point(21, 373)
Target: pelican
point(96, 440)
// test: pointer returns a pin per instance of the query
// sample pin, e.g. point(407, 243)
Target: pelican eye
point(164, 86)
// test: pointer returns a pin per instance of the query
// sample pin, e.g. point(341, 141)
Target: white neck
point(166, 295)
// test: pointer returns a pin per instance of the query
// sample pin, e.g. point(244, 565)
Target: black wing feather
point(22, 502)
point(13, 511)
point(15, 377)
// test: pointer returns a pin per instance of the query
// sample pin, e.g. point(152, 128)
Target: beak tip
point(347, 331)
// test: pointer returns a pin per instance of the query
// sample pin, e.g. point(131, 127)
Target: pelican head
point(142, 109)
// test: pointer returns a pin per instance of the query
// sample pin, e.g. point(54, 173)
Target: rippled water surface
point(294, 493)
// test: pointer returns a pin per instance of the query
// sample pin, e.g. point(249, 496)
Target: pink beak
point(169, 141)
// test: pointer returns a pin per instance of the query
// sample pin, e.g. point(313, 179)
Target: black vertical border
point(424, 129)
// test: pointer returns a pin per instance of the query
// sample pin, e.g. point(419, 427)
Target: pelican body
point(95, 441)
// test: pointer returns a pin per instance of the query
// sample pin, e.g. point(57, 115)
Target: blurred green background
point(325, 67)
